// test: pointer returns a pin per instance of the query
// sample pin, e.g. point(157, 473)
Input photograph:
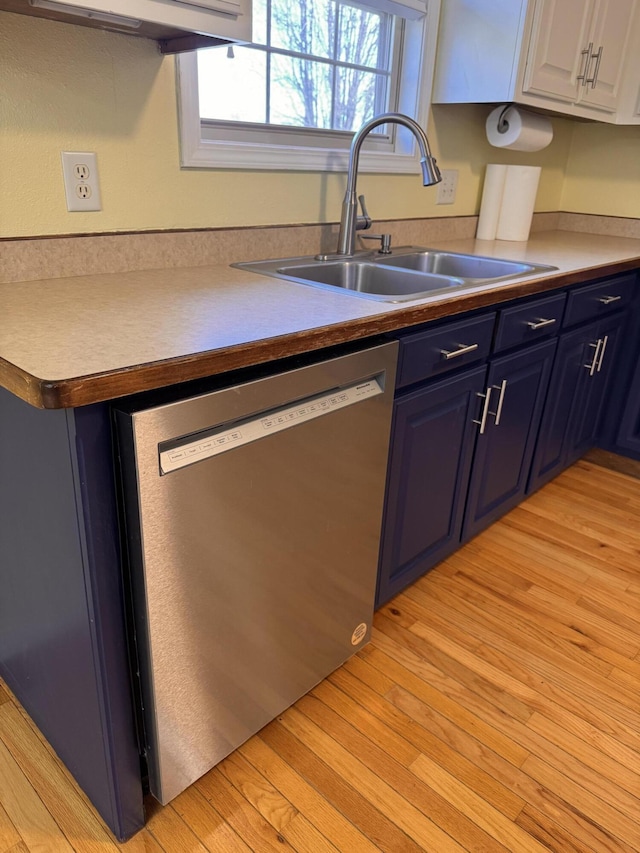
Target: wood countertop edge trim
point(100, 387)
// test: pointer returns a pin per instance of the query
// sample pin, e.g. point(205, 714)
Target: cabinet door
point(628, 437)
point(609, 36)
point(587, 413)
point(566, 388)
point(555, 58)
point(432, 445)
point(518, 386)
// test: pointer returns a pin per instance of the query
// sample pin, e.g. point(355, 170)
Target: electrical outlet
point(81, 185)
point(447, 187)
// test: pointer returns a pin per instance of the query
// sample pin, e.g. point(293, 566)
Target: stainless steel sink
point(409, 273)
point(372, 279)
point(469, 267)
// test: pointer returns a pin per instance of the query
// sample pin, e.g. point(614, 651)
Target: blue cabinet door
point(566, 388)
point(518, 386)
point(432, 446)
point(583, 427)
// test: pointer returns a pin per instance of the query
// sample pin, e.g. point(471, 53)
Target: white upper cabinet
point(577, 50)
point(577, 57)
point(177, 24)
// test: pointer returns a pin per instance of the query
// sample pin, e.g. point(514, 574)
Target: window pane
point(232, 84)
point(259, 21)
point(363, 37)
point(300, 92)
point(359, 96)
point(307, 26)
point(262, 84)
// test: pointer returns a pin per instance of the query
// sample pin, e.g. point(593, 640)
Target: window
point(317, 70)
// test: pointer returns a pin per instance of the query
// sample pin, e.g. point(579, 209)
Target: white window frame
point(277, 148)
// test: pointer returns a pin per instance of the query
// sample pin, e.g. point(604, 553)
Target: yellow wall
point(603, 171)
point(66, 87)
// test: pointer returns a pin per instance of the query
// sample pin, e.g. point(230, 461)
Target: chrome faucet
point(350, 222)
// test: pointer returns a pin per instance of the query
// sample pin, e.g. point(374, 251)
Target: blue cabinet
point(62, 619)
point(620, 428)
point(431, 451)
point(462, 446)
point(516, 391)
point(482, 418)
point(460, 457)
point(578, 393)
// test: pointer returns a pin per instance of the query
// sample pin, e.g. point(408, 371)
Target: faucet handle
point(364, 222)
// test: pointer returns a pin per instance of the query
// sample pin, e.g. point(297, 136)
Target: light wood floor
point(496, 709)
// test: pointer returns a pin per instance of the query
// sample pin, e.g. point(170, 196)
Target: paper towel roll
point(521, 130)
point(518, 200)
point(492, 193)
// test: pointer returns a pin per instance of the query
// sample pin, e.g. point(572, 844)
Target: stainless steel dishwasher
point(253, 518)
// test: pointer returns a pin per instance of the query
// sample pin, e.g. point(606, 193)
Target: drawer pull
point(540, 323)
point(482, 423)
point(462, 350)
point(498, 412)
point(602, 349)
point(593, 365)
point(607, 300)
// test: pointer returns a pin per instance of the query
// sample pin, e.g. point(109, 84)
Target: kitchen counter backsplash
point(61, 256)
point(29, 259)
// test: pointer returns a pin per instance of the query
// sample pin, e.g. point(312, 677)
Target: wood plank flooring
point(495, 710)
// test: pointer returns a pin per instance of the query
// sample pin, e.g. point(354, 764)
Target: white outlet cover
point(447, 187)
point(81, 184)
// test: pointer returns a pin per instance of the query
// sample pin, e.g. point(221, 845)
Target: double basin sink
point(410, 272)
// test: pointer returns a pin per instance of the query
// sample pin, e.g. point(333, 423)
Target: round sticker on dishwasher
point(359, 634)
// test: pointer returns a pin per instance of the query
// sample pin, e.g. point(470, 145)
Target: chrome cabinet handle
point(592, 366)
point(462, 350)
point(594, 80)
point(587, 54)
point(602, 349)
point(607, 300)
point(540, 323)
point(485, 410)
point(498, 412)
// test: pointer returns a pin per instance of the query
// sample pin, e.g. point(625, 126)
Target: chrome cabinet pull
point(540, 323)
point(592, 366)
point(587, 54)
point(607, 300)
point(602, 349)
point(498, 412)
point(462, 350)
point(485, 410)
point(594, 80)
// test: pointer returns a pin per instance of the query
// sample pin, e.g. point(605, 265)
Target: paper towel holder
point(503, 124)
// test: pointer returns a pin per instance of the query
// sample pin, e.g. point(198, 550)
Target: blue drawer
point(597, 300)
point(435, 352)
point(525, 324)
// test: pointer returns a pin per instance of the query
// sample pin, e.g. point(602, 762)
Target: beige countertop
point(75, 341)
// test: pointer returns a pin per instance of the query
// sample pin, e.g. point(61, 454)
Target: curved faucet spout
point(430, 173)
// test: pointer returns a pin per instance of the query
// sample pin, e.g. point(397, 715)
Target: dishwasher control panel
point(243, 432)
